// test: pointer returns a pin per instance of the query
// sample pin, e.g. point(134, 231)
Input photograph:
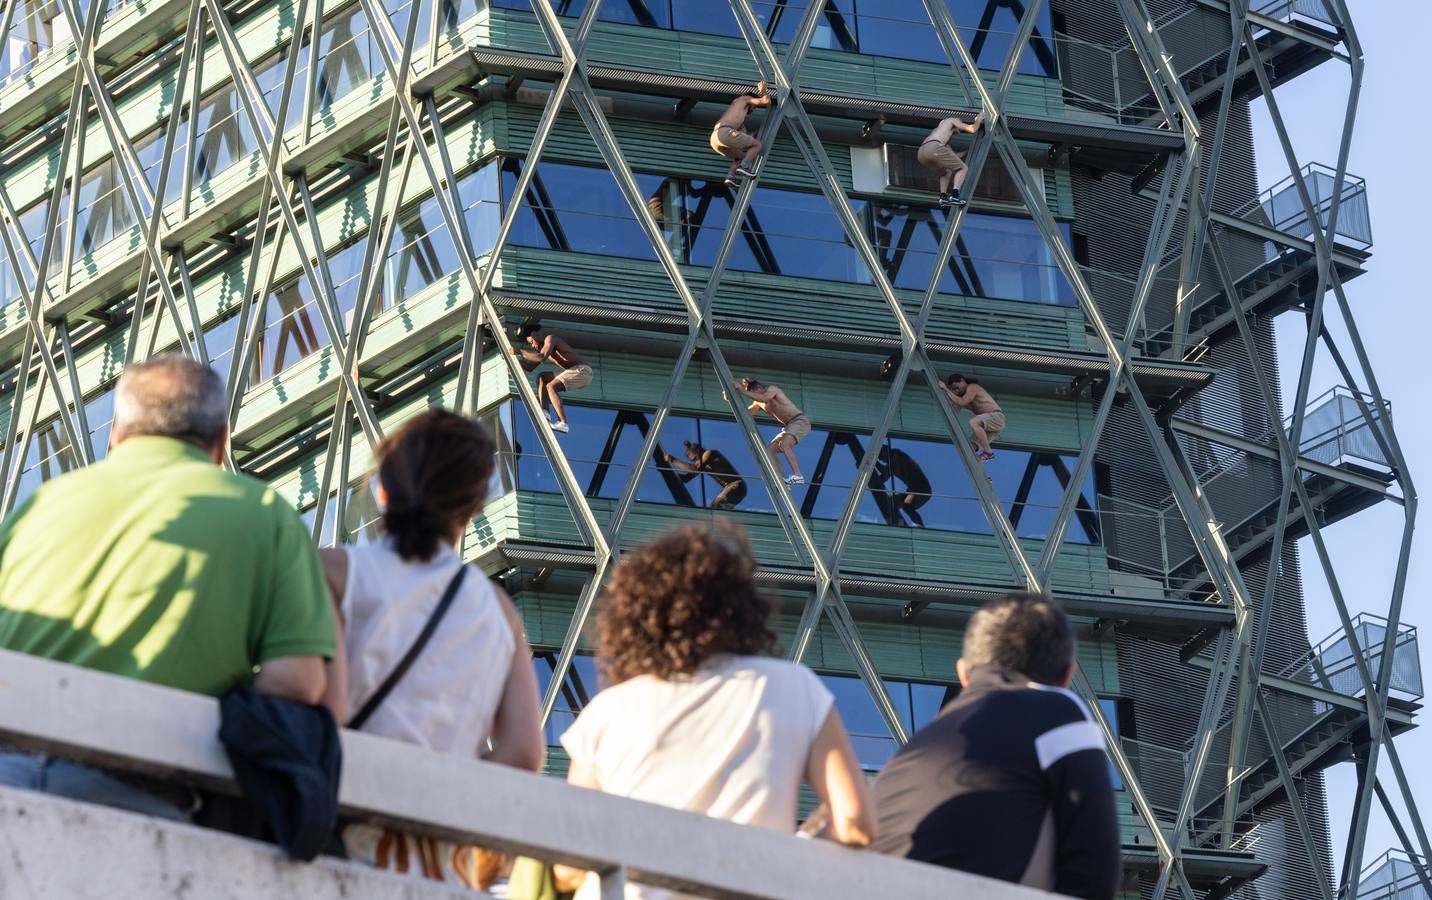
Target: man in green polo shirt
point(159, 565)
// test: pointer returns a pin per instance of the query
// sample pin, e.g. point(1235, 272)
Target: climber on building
point(700, 461)
point(935, 154)
point(988, 420)
point(795, 425)
point(574, 375)
point(730, 138)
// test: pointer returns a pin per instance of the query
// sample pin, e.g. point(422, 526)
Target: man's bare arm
point(298, 678)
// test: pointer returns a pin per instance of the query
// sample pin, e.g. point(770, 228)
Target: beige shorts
point(939, 156)
point(730, 142)
point(575, 378)
point(797, 428)
point(992, 423)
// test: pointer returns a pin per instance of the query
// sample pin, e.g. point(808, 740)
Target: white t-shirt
point(731, 741)
point(448, 699)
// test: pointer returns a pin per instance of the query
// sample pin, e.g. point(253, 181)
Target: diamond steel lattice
point(230, 143)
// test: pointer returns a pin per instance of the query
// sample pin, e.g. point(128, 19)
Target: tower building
point(354, 210)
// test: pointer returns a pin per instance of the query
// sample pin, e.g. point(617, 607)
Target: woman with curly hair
point(698, 715)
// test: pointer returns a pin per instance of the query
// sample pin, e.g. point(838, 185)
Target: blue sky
point(1390, 304)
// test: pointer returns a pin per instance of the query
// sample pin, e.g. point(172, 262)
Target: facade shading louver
point(348, 208)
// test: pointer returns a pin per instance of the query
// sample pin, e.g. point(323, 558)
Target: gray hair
point(1021, 632)
point(171, 396)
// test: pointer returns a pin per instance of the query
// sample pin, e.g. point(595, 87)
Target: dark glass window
point(1111, 712)
point(1041, 481)
point(578, 688)
point(785, 233)
point(708, 17)
point(917, 483)
point(897, 28)
point(837, 456)
point(650, 13)
point(577, 208)
point(994, 256)
point(916, 703)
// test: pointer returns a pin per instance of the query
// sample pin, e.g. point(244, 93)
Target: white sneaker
point(795, 479)
point(560, 427)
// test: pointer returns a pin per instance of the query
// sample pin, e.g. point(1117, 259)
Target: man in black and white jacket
point(1011, 780)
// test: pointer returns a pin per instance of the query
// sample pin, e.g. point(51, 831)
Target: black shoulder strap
point(401, 669)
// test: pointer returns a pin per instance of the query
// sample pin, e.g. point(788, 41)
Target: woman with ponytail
point(468, 686)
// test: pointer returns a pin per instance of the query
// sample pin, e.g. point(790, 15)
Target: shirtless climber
point(987, 422)
point(935, 154)
point(546, 346)
point(795, 426)
point(730, 138)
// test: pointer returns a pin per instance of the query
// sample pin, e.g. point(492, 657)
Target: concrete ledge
point(127, 724)
point(57, 849)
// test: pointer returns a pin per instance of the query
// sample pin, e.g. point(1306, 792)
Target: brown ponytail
point(434, 470)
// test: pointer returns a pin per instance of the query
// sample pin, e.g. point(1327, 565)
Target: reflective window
point(791, 233)
point(1110, 709)
point(50, 455)
point(103, 211)
point(649, 13)
point(578, 688)
point(785, 233)
point(898, 28)
point(902, 28)
point(916, 703)
point(837, 456)
point(349, 56)
point(36, 27)
point(577, 208)
point(994, 256)
point(915, 483)
point(419, 254)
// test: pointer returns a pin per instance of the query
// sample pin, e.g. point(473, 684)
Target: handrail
point(1332, 658)
point(120, 723)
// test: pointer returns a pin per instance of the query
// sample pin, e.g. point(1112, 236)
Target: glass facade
point(917, 482)
point(892, 28)
point(786, 232)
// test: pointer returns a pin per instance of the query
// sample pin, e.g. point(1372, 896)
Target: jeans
point(40, 772)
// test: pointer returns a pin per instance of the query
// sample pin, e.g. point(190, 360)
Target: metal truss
point(286, 216)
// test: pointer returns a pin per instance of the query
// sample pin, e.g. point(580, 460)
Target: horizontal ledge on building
point(1108, 136)
point(1204, 867)
point(1162, 615)
point(1163, 378)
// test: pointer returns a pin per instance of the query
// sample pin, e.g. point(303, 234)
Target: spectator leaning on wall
point(157, 564)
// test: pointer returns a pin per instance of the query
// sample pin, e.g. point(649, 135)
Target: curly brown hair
point(679, 600)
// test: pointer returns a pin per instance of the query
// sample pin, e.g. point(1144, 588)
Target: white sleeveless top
point(449, 697)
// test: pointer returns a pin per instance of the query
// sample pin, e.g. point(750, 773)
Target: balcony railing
point(1281, 208)
point(1332, 665)
point(1292, 10)
point(1335, 431)
point(124, 724)
point(1392, 876)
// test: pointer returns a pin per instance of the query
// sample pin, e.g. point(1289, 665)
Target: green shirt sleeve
point(299, 620)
